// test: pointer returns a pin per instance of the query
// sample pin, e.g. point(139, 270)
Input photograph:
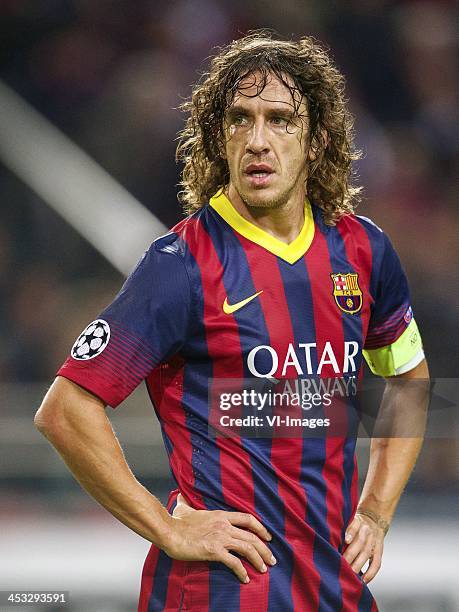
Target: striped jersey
point(217, 298)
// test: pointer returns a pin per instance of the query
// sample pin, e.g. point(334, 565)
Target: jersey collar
point(288, 252)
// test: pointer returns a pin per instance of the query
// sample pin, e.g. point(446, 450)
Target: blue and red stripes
point(303, 489)
point(351, 245)
point(328, 328)
point(298, 580)
point(159, 590)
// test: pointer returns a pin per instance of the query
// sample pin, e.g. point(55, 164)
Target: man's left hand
point(365, 542)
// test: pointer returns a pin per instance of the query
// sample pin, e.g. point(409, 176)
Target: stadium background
point(109, 75)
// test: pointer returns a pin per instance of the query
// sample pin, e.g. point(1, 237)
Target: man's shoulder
point(354, 224)
point(186, 230)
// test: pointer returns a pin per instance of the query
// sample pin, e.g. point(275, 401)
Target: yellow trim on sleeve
point(393, 359)
point(289, 252)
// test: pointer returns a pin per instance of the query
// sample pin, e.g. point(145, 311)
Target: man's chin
point(261, 199)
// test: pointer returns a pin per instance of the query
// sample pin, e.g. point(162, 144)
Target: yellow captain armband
point(399, 357)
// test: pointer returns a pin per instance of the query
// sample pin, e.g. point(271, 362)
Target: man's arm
point(392, 460)
point(75, 423)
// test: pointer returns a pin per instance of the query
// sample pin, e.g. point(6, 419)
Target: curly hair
point(303, 63)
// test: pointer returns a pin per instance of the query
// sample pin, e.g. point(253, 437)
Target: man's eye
point(239, 120)
point(279, 121)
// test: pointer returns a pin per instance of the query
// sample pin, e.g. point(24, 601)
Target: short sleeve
point(393, 343)
point(145, 325)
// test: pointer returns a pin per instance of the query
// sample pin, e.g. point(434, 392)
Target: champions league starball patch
point(92, 341)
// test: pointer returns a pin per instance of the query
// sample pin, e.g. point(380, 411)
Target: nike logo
point(230, 308)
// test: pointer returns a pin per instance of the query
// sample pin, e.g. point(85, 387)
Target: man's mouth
point(258, 170)
point(259, 174)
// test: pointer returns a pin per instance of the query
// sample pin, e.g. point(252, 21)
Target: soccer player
point(271, 275)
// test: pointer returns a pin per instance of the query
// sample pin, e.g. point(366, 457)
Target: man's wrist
point(160, 529)
point(376, 518)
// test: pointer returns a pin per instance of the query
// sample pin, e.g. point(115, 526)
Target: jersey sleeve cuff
point(399, 357)
point(99, 387)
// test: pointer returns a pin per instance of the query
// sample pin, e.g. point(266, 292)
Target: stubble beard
point(266, 203)
point(276, 201)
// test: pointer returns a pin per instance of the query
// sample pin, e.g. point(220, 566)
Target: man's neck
point(283, 222)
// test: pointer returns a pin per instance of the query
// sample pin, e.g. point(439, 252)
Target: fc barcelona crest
point(347, 293)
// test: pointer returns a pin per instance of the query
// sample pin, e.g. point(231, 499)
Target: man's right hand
point(210, 535)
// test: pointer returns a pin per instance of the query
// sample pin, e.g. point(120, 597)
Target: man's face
point(266, 144)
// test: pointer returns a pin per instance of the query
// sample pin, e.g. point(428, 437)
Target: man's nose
point(257, 141)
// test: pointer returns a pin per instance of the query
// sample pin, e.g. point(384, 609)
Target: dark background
point(110, 75)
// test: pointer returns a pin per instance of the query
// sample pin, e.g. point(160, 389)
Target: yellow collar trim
point(288, 252)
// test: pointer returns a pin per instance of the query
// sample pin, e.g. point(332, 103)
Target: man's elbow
point(46, 418)
point(50, 417)
point(39, 421)
point(67, 410)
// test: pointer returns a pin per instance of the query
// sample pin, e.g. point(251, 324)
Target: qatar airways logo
point(263, 361)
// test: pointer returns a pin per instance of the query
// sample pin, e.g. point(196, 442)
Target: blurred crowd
point(111, 74)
